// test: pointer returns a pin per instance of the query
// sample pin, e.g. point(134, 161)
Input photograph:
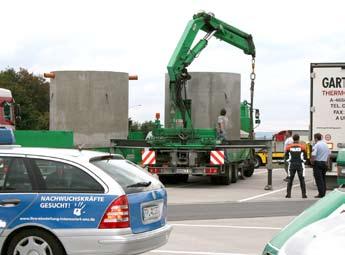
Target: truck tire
point(183, 178)
point(234, 173)
point(173, 178)
point(257, 162)
point(162, 179)
point(168, 179)
point(215, 180)
point(249, 169)
point(227, 177)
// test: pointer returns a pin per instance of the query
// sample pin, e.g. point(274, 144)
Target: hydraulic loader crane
point(178, 150)
point(184, 55)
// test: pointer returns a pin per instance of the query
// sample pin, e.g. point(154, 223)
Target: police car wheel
point(36, 242)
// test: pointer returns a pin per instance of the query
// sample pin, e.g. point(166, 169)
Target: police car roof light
point(7, 137)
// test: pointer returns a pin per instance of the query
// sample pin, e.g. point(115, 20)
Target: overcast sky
point(138, 37)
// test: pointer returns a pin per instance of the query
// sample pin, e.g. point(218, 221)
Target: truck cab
point(8, 109)
point(278, 153)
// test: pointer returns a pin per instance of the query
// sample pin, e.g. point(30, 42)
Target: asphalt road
point(238, 219)
point(237, 210)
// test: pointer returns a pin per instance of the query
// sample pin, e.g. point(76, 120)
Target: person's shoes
point(318, 196)
point(288, 196)
point(286, 179)
point(304, 196)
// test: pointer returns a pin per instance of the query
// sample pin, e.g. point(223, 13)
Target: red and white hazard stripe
point(217, 157)
point(148, 157)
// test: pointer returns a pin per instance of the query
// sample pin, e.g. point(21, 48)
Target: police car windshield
point(126, 173)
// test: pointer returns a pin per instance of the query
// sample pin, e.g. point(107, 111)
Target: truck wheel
point(168, 179)
point(34, 242)
point(163, 179)
point(173, 178)
point(183, 178)
point(234, 173)
point(215, 180)
point(226, 178)
point(249, 169)
point(257, 162)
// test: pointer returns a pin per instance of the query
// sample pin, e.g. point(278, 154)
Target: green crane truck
point(181, 150)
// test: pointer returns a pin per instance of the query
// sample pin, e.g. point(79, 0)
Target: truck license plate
point(151, 213)
point(182, 171)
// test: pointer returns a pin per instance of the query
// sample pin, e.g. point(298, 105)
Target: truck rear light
point(211, 170)
point(154, 170)
point(117, 214)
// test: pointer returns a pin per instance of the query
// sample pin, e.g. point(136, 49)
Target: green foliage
point(32, 93)
point(146, 126)
point(133, 125)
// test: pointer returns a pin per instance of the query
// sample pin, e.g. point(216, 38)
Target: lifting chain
point(252, 83)
point(253, 74)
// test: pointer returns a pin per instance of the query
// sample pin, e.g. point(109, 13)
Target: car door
point(16, 190)
point(68, 196)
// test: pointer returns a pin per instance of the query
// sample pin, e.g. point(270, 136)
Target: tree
point(145, 127)
point(133, 125)
point(32, 93)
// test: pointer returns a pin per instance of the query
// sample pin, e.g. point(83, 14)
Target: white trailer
point(327, 106)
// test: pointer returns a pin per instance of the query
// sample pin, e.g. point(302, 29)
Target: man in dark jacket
point(295, 157)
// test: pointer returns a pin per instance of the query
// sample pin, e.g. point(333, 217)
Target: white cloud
point(139, 37)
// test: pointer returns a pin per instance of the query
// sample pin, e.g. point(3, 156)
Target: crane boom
point(184, 55)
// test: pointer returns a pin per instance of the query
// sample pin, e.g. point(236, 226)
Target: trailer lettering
point(335, 106)
point(338, 111)
point(340, 118)
point(333, 82)
point(333, 93)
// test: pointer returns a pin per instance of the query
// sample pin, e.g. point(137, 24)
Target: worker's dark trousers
point(292, 169)
point(320, 169)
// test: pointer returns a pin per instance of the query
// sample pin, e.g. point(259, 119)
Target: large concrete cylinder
point(92, 104)
point(210, 92)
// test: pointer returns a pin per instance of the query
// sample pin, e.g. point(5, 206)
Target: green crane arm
point(184, 55)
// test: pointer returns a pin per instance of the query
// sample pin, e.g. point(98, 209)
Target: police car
point(57, 201)
point(319, 230)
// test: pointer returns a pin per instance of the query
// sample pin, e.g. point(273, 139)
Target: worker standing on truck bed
point(295, 157)
point(288, 141)
point(319, 159)
point(222, 123)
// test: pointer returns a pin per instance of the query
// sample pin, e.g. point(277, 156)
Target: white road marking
point(225, 226)
point(269, 193)
point(264, 171)
point(196, 252)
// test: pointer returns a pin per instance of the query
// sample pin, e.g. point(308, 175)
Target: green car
point(341, 167)
point(318, 230)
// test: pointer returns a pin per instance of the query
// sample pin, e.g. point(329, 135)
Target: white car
point(57, 201)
